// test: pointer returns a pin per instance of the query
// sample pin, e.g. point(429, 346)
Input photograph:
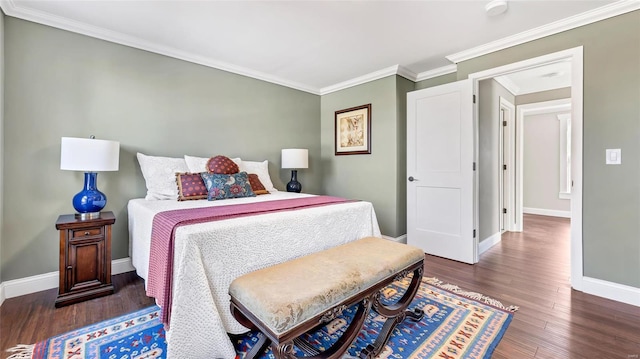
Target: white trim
point(28, 285)
point(391, 70)
point(489, 242)
point(564, 195)
point(406, 73)
point(122, 265)
point(588, 17)
point(40, 282)
point(547, 212)
point(537, 108)
point(444, 70)
point(575, 55)
point(11, 8)
point(510, 161)
point(610, 290)
point(508, 84)
point(401, 239)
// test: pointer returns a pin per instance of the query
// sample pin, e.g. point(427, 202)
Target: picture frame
point(353, 131)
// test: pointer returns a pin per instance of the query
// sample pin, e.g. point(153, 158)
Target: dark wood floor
point(529, 269)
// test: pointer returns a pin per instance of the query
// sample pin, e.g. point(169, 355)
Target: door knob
point(411, 179)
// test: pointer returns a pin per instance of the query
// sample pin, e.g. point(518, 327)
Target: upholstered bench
point(289, 299)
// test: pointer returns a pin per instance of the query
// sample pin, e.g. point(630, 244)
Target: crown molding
point(508, 84)
point(10, 8)
point(444, 70)
point(588, 17)
point(391, 70)
point(406, 73)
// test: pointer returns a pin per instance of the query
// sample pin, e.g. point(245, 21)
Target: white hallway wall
point(541, 164)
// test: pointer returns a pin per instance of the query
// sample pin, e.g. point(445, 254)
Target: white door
point(440, 171)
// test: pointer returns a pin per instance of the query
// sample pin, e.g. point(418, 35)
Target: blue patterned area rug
point(456, 325)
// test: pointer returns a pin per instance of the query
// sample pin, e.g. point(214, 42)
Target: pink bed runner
point(159, 283)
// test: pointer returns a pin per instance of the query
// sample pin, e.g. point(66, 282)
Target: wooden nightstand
point(85, 258)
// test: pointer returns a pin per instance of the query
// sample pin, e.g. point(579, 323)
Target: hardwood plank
point(529, 269)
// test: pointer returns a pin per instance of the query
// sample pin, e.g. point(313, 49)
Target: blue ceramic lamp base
point(90, 201)
point(294, 185)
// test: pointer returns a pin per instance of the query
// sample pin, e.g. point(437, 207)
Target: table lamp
point(295, 158)
point(90, 156)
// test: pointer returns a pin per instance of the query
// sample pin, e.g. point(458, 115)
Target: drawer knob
point(86, 233)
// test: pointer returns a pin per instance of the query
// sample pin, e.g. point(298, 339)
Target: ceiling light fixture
point(496, 7)
point(553, 74)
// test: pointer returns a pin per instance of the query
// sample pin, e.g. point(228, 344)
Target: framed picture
point(353, 131)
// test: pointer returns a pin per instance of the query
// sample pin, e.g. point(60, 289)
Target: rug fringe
point(473, 295)
point(21, 351)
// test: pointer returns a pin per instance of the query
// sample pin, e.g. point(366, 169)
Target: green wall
point(373, 177)
point(436, 81)
point(488, 161)
point(611, 115)
point(403, 86)
point(64, 84)
point(543, 96)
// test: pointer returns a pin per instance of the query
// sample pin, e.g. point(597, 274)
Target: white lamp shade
point(295, 158)
point(89, 155)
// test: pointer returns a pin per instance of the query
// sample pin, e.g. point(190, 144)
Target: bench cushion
point(317, 282)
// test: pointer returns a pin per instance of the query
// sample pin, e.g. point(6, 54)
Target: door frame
point(575, 56)
point(508, 157)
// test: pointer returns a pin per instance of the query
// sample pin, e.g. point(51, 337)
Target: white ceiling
point(315, 46)
point(542, 78)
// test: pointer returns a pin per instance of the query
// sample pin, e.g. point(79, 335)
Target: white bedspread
point(209, 256)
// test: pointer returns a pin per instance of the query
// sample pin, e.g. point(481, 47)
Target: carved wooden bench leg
point(395, 314)
point(337, 350)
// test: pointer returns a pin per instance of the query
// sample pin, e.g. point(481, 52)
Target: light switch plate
point(614, 156)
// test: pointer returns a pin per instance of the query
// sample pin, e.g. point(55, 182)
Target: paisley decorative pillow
point(190, 186)
point(222, 165)
point(223, 186)
point(256, 185)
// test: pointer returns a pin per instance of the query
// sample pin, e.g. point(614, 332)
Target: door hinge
point(504, 123)
point(504, 210)
point(474, 233)
point(474, 166)
point(504, 167)
point(474, 98)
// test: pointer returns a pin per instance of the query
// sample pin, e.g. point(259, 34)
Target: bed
point(208, 256)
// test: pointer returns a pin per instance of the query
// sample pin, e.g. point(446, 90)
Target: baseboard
point(610, 290)
point(401, 239)
point(122, 265)
point(40, 282)
point(489, 242)
point(546, 212)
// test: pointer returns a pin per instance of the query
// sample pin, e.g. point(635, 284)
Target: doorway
point(574, 56)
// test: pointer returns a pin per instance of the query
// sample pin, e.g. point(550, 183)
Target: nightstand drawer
point(87, 232)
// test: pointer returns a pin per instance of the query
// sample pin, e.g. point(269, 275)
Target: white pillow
point(199, 164)
point(160, 175)
point(262, 170)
